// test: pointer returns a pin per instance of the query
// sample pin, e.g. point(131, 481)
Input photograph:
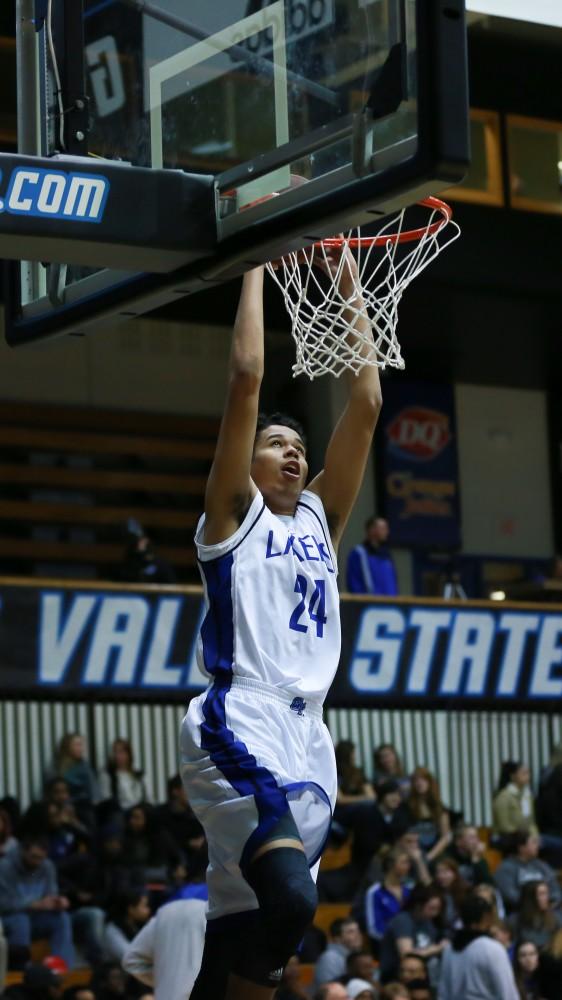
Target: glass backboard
point(307, 115)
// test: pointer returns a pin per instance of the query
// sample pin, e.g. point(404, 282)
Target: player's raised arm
point(346, 456)
point(229, 487)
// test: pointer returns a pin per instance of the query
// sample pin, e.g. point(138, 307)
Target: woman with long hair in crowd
point(453, 889)
point(432, 821)
point(387, 766)
point(72, 765)
point(149, 850)
point(525, 967)
point(550, 968)
point(122, 785)
point(128, 912)
point(355, 810)
point(535, 919)
point(352, 784)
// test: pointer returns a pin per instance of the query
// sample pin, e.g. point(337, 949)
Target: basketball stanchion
point(326, 323)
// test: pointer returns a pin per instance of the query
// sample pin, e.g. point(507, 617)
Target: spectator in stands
point(370, 566)
point(453, 889)
point(526, 968)
point(345, 937)
point(149, 849)
point(177, 817)
point(360, 965)
point(128, 913)
point(420, 989)
point(39, 983)
point(122, 786)
point(394, 991)
point(57, 790)
point(66, 835)
point(355, 805)
point(291, 987)
point(411, 967)
point(550, 968)
point(352, 784)
point(468, 851)
point(30, 904)
point(512, 806)
point(331, 991)
point(535, 920)
point(393, 815)
point(416, 930)
point(523, 866)
point(501, 932)
point(418, 873)
point(78, 993)
point(7, 840)
point(431, 818)
point(387, 766)
point(360, 989)
point(103, 873)
point(109, 982)
point(554, 760)
point(191, 881)
point(549, 815)
point(71, 764)
point(385, 899)
point(475, 965)
point(166, 953)
point(141, 564)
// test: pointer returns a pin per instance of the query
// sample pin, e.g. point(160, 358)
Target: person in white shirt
point(166, 954)
point(475, 967)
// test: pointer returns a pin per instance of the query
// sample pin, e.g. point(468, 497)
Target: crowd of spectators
point(115, 883)
point(84, 870)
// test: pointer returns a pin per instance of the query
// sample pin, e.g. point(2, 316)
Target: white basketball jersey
point(272, 600)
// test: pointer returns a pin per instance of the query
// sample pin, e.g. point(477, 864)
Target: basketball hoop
point(328, 328)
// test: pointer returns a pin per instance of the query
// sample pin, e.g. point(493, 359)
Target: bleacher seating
point(72, 476)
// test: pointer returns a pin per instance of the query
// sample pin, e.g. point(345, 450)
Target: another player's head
point(279, 466)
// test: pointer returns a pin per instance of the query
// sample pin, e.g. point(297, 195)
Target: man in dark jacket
point(370, 567)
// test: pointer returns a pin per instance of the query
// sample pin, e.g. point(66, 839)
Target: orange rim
point(407, 236)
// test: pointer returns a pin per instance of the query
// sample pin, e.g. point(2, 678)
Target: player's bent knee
point(287, 898)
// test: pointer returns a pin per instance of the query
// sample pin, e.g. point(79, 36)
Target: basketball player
point(257, 761)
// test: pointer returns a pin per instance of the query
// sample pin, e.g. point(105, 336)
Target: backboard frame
point(439, 160)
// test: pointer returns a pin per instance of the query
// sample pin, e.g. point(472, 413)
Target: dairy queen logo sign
point(419, 433)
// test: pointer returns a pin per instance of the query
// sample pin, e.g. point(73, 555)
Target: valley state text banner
point(109, 643)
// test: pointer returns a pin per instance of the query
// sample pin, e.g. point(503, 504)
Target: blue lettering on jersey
point(303, 548)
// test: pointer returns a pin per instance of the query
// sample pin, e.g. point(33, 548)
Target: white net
point(328, 326)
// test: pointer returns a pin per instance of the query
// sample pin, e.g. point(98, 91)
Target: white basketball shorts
point(249, 752)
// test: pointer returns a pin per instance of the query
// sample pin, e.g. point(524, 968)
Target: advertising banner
point(420, 465)
point(112, 644)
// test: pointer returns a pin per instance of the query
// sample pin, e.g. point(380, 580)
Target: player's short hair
point(473, 908)
point(268, 419)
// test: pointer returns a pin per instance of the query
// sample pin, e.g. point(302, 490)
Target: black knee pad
point(287, 899)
